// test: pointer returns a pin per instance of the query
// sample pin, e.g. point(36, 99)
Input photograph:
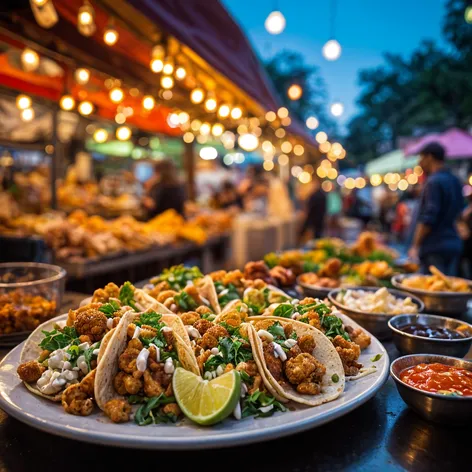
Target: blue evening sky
point(365, 29)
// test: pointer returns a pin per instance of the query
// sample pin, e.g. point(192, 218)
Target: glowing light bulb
point(270, 116)
point(29, 60)
point(184, 117)
point(224, 111)
point(282, 112)
point(23, 102)
point(188, 137)
point(85, 108)
point(217, 129)
point(180, 73)
point(40, 3)
point(123, 133)
point(27, 114)
point(248, 142)
point(210, 104)
point(337, 109)
point(294, 92)
point(286, 147)
point(173, 120)
point(110, 36)
point(331, 50)
point(321, 137)
point(275, 22)
point(208, 153)
point(205, 129)
point(100, 135)
point(67, 102)
point(312, 122)
point(304, 177)
point(236, 113)
point(197, 95)
point(82, 76)
point(298, 150)
point(116, 95)
point(148, 102)
point(157, 65)
point(167, 82)
point(86, 19)
point(168, 66)
point(268, 165)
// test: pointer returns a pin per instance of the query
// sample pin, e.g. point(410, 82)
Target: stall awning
point(394, 161)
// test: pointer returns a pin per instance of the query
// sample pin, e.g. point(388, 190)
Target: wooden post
point(54, 157)
point(189, 166)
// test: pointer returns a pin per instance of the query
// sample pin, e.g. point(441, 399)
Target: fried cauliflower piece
point(103, 295)
point(127, 360)
point(203, 310)
point(118, 410)
point(308, 388)
point(30, 371)
point(172, 409)
point(304, 368)
point(165, 295)
point(274, 364)
point(359, 336)
point(331, 268)
point(190, 318)
point(250, 367)
point(91, 322)
point(76, 401)
point(156, 382)
point(203, 326)
point(119, 383)
point(306, 343)
point(211, 337)
point(349, 352)
point(88, 382)
point(160, 287)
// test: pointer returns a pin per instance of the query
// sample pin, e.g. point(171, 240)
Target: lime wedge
point(206, 402)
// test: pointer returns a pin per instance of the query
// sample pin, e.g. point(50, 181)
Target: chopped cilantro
point(376, 358)
point(253, 403)
point(126, 295)
point(284, 310)
point(58, 338)
point(246, 378)
point(185, 301)
point(178, 276)
point(88, 354)
point(234, 350)
point(277, 330)
point(150, 318)
point(226, 293)
point(110, 308)
point(150, 411)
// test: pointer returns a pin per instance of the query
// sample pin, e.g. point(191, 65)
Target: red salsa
point(439, 378)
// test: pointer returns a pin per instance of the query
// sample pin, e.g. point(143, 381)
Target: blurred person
point(227, 196)
point(254, 189)
point(404, 211)
point(164, 191)
point(334, 208)
point(464, 228)
point(316, 206)
point(436, 241)
point(360, 208)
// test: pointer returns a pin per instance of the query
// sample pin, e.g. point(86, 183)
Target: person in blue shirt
point(436, 241)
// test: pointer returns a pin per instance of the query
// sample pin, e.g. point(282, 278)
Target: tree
point(287, 68)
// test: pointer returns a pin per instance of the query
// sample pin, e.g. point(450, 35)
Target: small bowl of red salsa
point(431, 334)
point(439, 388)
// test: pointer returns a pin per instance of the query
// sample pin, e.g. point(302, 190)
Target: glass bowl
point(30, 293)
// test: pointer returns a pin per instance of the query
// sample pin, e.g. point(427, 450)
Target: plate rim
point(213, 441)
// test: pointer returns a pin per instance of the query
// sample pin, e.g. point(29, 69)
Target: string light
point(184, 117)
point(67, 102)
point(167, 82)
point(100, 135)
point(40, 3)
point(173, 120)
point(280, 133)
point(331, 50)
point(332, 173)
point(286, 146)
point(123, 133)
point(375, 180)
point(412, 179)
point(85, 108)
point(86, 19)
point(312, 122)
point(283, 159)
point(304, 177)
point(321, 137)
point(296, 171)
point(148, 102)
point(337, 109)
point(360, 182)
point(298, 150)
point(208, 153)
point(110, 36)
point(325, 147)
point(27, 114)
point(270, 116)
point(248, 142)
point(82, 76)
point(224, 111)
point(402, 185)
point(23, 102)
point(217, 129)
point(29, 60)
point(197, 95)
point(295, 92)
point(156, 65)
point(275, 22)
point(195, 125)
point(168, 66)
point(205, 129)
point(268, 165)
point(188, 137)
point(210, 104)
point(327, 186)
point(282, 112)
point(116, 95)
point(418, 170)
point(267, 147)
point(236, 113)
point(321, 172)
point(180, 73)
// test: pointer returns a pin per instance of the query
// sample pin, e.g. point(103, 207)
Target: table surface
point(383, 434)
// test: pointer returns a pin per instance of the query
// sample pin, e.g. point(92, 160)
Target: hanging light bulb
point(82, 76)
point(148, 102)
point(173, 120)
point(210, 104)
point(86, 19)
point(40, 3)
point(157, 65)
point(224, 111)
point(331, 50)
point(184, 117)
point(236, 113)
point(23, 102)
point(67, 102)
point(167, 82)
point(248, 142)
point(85, 108)
point(197, 95)
point(27, 114)
point(100, 135)
point(110, 36)
point(180, 73)
point(29, 60)
point(275, 22)
point(205, 129)
point(217, 129)
point(295, 92)
point(337, 109)
point(123, 133)
point(116, 95)
point(168, 66)
point(312, 122)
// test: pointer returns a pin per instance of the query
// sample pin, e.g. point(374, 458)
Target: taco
point(52, 360)
point(137, 368)
point(298, 361)
point(347, 337)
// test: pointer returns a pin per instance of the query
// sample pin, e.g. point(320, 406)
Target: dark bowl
point(433, 406)
point(375, 323)
point(412, 344)
point(315, 291)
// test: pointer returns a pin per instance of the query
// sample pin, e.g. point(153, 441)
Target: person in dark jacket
point(315, 213)
point(436, 241)
point(164, 190)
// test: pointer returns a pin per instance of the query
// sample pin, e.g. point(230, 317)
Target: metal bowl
point(432, 406)
point(375, 323)
point(314, 291)
point(408, 343)
point(442, 303)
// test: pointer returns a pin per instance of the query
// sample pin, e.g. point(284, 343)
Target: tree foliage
point(429, 90)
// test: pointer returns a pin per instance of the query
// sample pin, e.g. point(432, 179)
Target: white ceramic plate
point(50, 417)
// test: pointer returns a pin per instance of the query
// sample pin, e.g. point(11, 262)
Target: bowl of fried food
point(440, 294)
point(315, 286)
